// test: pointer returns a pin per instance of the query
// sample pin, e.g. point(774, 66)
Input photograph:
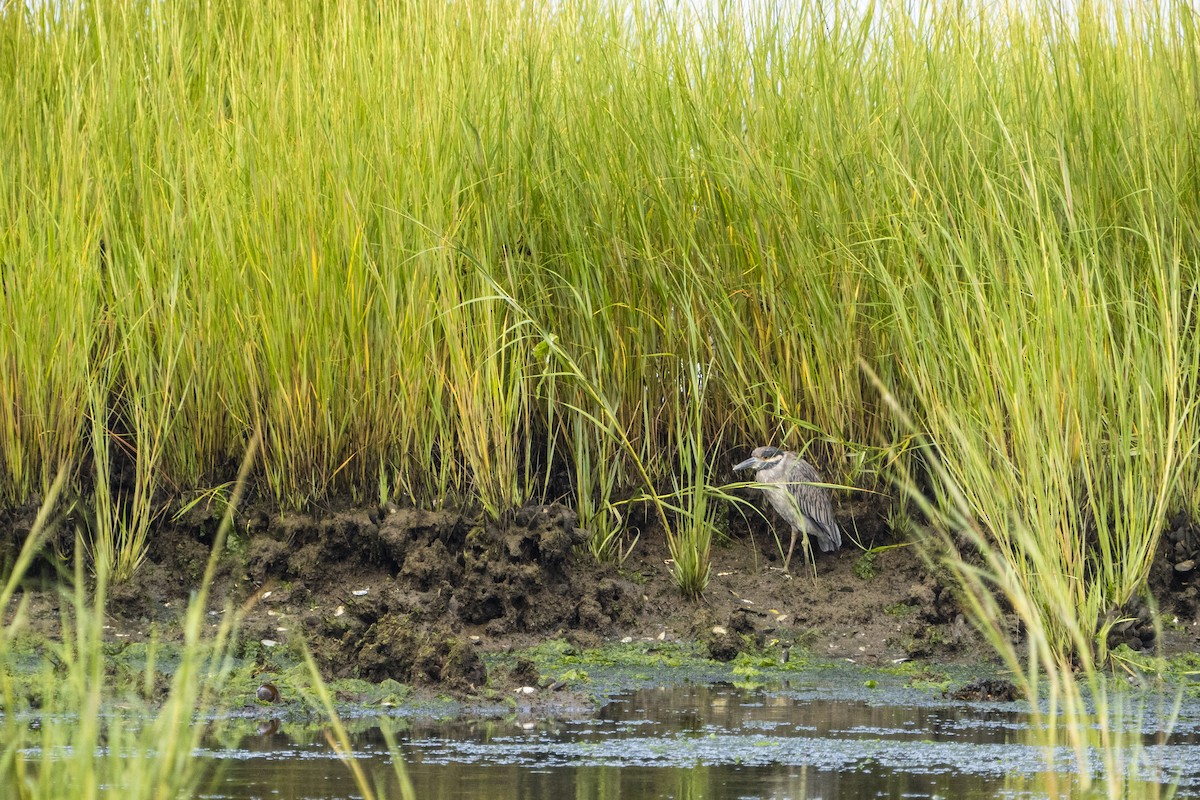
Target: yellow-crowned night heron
point(806, 508)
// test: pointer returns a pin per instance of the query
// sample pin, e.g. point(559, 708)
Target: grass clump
point(100, 727)
point(88, 740)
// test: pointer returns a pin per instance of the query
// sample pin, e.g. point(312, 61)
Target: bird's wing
point(814, 502)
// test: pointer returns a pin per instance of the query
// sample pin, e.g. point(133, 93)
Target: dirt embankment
point(400, 594)
point(415, 595)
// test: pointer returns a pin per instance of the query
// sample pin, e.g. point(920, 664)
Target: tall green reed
point(1086, 710)
point(1047, 341)
point(89, 740)
point(440, 248)
point(95, 736)
point(309, 209)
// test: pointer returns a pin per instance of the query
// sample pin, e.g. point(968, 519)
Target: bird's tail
point(831, 541)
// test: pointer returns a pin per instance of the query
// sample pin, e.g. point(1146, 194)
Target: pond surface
point(694, 741)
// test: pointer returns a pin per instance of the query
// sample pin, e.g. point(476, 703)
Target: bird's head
point(761, 458)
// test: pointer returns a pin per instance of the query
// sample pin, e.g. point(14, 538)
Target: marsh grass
point(90, 740)
point(443, 249)
point(306, 241)
point(95, 736)
point(1056, 661)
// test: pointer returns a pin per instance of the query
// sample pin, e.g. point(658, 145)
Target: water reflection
point(675, 742)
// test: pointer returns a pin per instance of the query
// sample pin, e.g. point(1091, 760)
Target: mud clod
point(745, 621)
point(988, 690)
point(724, 645)
point(1175, 576)
point(749, 626)
point(429, 565)
point(525, 673)
point(448, 663)
point(1132, 625)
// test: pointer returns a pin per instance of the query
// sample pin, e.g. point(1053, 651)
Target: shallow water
point(692, 741)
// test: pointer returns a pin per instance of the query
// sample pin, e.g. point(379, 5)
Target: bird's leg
point(809, 556)
point(788, 558)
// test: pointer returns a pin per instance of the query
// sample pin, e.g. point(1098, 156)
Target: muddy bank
point(411, 595)
point(416, 596)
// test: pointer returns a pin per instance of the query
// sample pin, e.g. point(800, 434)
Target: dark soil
point(1175, 589)
point(990, 690)
point(415, 595)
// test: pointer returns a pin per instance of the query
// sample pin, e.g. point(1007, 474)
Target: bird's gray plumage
point(807, 509)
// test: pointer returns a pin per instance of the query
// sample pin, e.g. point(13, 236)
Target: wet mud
point(420, 596)
point(413, 595)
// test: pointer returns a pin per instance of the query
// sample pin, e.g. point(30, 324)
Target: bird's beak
point(749, 462)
